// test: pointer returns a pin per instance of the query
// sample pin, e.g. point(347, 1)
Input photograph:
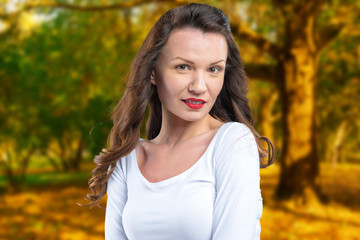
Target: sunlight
point(14, 5)
point(3, 26)
point(29, 21)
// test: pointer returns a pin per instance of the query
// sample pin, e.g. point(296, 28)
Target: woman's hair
point(232, 104)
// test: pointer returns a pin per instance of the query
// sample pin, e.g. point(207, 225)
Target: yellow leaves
point(100, 228)
point(3, 26)
point(314, 221)
point(292, 224)
point(27, 22)
point(18, 219)
point(50, 214)
point(109, 42)
point(73, 235)
point(21, 200)
point(33, 210)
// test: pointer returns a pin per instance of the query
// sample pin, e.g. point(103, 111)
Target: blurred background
point(63, 67)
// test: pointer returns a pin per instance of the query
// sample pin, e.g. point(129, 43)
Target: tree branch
point(325, 36)
point(311, 7)
point(251, 36)
point(12, 18)
point(125, 5)
point(261, 71)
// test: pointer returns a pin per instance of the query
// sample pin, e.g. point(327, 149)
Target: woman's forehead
point(195, 44)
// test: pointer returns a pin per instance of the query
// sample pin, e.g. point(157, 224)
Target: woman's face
point(190, 72)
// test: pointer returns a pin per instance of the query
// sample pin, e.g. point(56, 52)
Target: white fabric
point(217, 198)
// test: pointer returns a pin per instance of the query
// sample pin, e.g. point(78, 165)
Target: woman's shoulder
point(235, 131)
point(123, 163)
point(234, 137)
point(237, 151)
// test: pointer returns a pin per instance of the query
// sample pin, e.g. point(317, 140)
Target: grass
point(46, 179)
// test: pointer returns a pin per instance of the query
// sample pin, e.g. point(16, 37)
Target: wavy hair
point(231, 105)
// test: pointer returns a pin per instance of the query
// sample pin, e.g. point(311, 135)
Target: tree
point(300, 40)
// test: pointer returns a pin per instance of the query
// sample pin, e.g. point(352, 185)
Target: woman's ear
point(152, 78)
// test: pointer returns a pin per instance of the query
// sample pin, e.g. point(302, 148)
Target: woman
point(197, 174)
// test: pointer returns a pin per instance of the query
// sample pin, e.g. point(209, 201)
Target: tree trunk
point(267, 115)
point(297, 70)
point(338, 143)
point(299, 164)
point(76, 160)
point(16, 176)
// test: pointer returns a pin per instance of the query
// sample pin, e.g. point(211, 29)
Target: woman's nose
point(198, 83)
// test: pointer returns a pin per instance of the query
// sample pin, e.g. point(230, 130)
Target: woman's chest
point(182, 213)
point(158, 163)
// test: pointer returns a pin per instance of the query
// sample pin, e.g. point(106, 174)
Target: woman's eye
point(214, 69)
point(183, 67)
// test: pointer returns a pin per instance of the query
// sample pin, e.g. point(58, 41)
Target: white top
point(217, 198)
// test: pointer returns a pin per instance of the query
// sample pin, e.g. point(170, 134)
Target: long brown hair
point(232, 104)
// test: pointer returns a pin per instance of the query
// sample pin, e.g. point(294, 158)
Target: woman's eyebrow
point(218, 62)
point(221, 60)
point(182, 59)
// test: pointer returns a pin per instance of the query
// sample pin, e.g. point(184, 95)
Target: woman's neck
point(174, 129)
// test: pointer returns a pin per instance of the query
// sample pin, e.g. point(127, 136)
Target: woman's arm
point(238, 203)
point(116, 199)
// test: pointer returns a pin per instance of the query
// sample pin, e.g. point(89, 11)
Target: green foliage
point(338, 95)
point(60, 81)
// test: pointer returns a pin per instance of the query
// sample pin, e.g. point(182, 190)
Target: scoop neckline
point(184, 173)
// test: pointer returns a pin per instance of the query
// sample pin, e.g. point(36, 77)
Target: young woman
point(196, 176)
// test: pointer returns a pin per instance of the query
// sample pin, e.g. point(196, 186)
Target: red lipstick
point(194, 103)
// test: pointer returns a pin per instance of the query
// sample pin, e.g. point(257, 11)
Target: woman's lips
point(194, 103)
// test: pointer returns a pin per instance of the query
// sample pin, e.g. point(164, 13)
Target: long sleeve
point(116, 199)
point(238, 203)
